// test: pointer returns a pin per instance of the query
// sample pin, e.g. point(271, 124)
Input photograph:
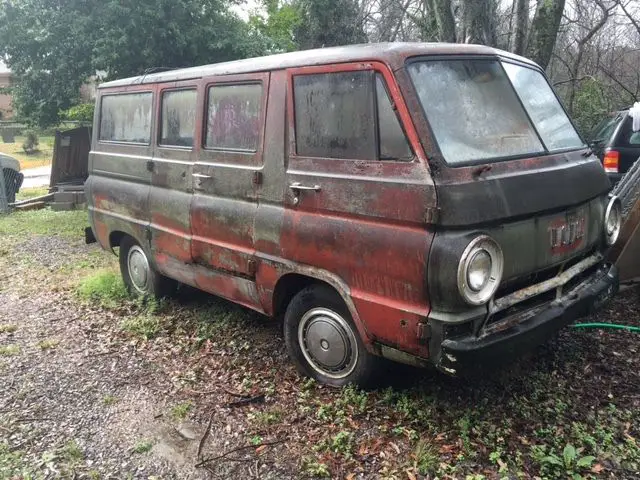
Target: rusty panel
point(121, 205)
point(231, 287)
point(70, 155)
point(223, 233)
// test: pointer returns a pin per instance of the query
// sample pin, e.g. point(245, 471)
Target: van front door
point(226, 181)
point(171, 184)
point(358, 192)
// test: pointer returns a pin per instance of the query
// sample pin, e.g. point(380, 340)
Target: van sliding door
point(226, 179)
point(171, 185)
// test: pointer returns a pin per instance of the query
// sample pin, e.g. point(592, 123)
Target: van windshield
point(476, 109)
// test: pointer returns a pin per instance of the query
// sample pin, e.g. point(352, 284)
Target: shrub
point(31, 142)
point(79, 113)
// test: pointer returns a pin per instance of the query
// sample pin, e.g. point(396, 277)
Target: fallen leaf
point(411, 475)
point(447, 448)
point(260, 448)
point(597, 468)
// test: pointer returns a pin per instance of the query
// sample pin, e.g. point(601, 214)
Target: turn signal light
point(611, 161)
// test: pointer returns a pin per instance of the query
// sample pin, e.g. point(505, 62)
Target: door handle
point(150, 165)
point(201, 175)
point(297, 186)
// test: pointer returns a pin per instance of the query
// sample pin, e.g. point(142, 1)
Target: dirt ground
point(94, 385)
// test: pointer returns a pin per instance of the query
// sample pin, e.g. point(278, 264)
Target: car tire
point(323, 341)
point(138, 273)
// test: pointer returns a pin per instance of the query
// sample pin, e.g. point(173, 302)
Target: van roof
point(393, 54)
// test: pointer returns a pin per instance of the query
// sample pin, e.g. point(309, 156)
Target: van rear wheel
point(138, 274)
point(323, 342)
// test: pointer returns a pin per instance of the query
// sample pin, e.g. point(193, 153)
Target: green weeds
point(105, 288)
point(181, 410)
point(143, 446)
point(9, 350)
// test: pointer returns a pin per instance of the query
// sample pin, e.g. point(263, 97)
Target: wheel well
point(288, 286)
point(115, 238)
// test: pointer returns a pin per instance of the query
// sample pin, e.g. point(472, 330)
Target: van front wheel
point(322, 340)
point(138, 274)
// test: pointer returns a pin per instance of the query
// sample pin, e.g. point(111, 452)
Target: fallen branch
point(238, 449)
point(206, 434)
point(247, 401)
point(233, 394)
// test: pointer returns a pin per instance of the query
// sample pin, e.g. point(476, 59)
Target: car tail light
point(611, 161)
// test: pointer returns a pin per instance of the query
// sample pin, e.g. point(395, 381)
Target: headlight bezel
point(490, 246)
point(613, 207)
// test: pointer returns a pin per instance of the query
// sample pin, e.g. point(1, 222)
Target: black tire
point(149, 284)
point(323, 312)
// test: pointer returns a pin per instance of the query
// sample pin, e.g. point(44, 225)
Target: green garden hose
point(613, 326)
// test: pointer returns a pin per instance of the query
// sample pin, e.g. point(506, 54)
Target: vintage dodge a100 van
point(425, 203)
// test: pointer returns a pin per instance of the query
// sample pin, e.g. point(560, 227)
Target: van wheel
point(323, 342)
point(138, 274)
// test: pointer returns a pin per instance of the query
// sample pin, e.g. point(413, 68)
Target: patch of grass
point(146, 325)
point(71, 452)
point(181, 410)
point(104, 287)
point(341, 443)
point(315, 469)
point(426, 458)
point(143, 446)
point(109, 400)
point(267, 418)
point(48, 344)
point(44, 222)
point(8, 328)
point(12, 463)
point(9, 350)
point(43, 156)
point(26, 193)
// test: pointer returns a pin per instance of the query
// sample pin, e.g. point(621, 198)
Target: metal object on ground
point(626, 252)
point(10, 181)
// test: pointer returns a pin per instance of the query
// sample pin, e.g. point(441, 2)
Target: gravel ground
point(90, 390)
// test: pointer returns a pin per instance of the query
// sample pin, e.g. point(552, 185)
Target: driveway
point(36, 177)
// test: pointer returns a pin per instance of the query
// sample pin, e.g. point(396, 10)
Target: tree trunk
point(522, 20)
point(544, 30)
point(444, 19)
point(479, 21)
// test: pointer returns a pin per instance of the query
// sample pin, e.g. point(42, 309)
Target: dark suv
point(617, 145)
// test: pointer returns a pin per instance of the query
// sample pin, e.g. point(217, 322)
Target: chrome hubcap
point(328, 343)
point(138, 268)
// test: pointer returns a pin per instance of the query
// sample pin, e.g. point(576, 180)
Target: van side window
point(178, 118)
point(233, 118)
point(393, 143)
point(126, 118)
point(334, 115)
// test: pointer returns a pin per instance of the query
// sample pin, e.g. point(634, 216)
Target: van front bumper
point(526, 329)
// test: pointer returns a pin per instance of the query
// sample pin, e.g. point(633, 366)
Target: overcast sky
point(3, 67)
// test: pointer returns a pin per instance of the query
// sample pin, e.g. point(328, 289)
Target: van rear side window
point(126, 118)
point(178, 118)
point(233, 119)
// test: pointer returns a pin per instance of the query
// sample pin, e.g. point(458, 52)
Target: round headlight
point(612, 221)
point(480, 270)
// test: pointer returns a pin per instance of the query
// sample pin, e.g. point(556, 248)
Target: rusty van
point(432, 204)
